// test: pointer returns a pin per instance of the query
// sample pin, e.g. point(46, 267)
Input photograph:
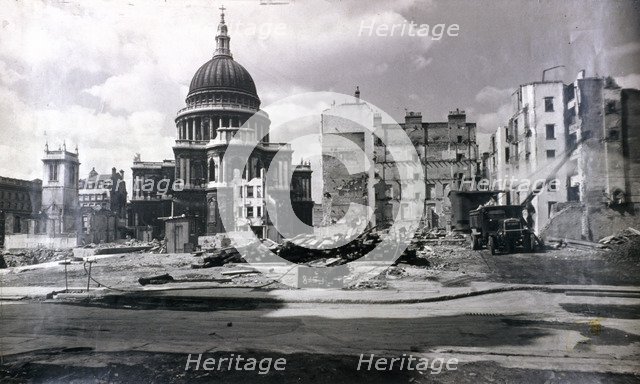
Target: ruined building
point(347, 144)
point(102, 199)
point(572, 146)
point(446, 152)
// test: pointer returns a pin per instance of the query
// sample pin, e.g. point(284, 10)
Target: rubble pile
point(22, 257)
point(624, 245)
point(366, 242)
point(218, 258)
point(153, 246)
point(306, 249)
point(301, 248)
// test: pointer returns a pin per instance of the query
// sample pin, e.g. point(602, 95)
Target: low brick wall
point(38, 241)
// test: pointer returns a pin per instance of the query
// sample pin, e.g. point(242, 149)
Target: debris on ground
point(161, 279)
point(22, 257)
point(239, 272)
point(153, 246)
point(218, 257)
point(624, 246)
point(369, 284)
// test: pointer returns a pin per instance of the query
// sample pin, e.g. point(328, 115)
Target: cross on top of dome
point(222, 38)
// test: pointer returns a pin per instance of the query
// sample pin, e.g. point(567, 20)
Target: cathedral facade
point(223, 110)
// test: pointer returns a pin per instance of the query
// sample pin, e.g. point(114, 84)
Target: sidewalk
point(418, 293)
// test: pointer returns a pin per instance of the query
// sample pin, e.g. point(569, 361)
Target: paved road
point(521, 336)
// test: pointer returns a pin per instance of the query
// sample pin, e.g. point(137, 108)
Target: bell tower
point(60, 189)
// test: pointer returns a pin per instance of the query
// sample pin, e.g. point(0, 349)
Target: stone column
point(188, 171)
point(220, 169)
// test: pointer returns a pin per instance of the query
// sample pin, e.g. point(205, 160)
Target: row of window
point(93, 197)
point(18, 206)
point(20, 196)
point(53, 172)
point(250, 191)
point(222, 98)
point(100, 185)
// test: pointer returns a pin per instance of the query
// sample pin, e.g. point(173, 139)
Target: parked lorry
point(462, 202)
point(501, 228)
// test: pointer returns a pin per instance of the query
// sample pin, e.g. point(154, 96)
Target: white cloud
point(631, 80)
point(493, 96)
point(9, 76)
point(489, 122)
point(110, 77)
point(143, 88)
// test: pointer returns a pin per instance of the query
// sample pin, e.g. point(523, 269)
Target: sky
point(109, 76)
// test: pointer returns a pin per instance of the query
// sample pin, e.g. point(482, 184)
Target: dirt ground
point(451, 265)
point(123, 271)
point(81, 366)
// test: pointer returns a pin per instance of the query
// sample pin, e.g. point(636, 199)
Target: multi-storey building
point(151, 197)
point(537, 141)
point(448, 152)
point(579, 138)
point(347, 144)
point(20, 201)
point(107, 191)
point(102, 199)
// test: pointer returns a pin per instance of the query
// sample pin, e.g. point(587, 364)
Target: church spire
point(222, 38)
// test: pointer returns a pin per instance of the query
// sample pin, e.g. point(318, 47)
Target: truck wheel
point(492, 245)
point(474, 243)
point(526, 243)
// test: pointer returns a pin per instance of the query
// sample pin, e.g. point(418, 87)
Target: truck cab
point(501, 228)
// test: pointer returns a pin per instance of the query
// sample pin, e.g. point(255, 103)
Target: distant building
point(499, 162)
point(151, 197)
point(107, 191)
point(102, 199)
point(20, 201)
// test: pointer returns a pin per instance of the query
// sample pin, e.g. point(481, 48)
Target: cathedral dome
point(222, 73)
